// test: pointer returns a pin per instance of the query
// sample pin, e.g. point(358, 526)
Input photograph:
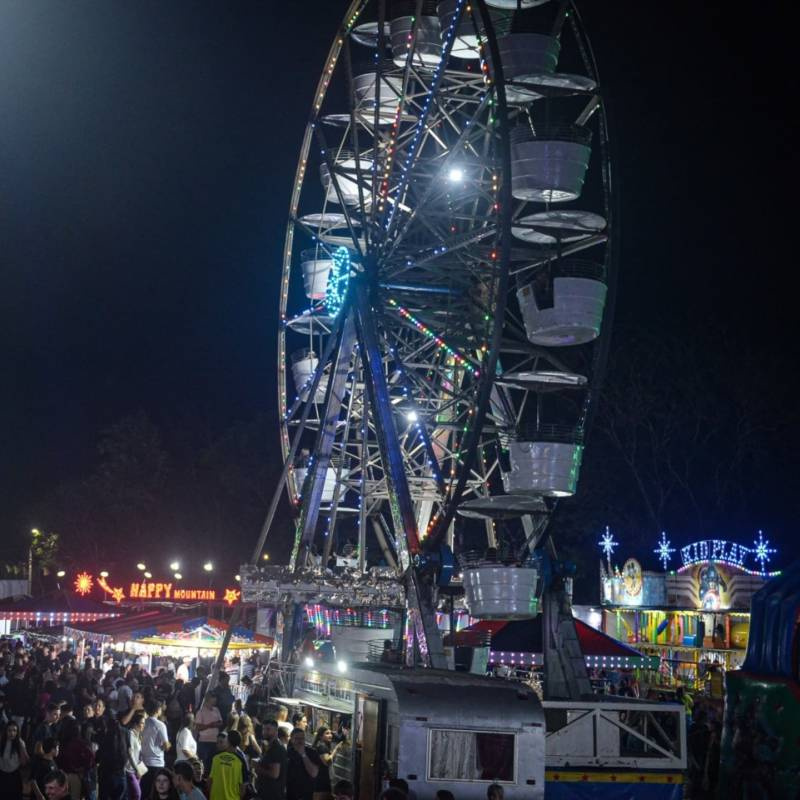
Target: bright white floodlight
point(456, 175)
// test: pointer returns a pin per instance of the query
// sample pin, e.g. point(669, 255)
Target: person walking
point(271, 767)
point(326, 749)
point(75, 756)
point(155, 742)
point(208, 723)
point(304, 765)
point(183, 779)
point(185, 743)
point(227, 771)
point(134, 766)
point(13, 756)
point(112, 757)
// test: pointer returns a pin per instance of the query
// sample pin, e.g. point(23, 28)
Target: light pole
point(34, 536)
point(209, 568)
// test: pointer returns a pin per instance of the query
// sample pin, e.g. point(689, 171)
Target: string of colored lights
point(414, 420)
point(323, 618)
point(338, 278)
point(322, 87)
point(422, 121)
point(758, 573)
point(420, 326)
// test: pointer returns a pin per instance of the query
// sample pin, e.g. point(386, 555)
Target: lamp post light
point(175, 566)
point(177, 576)
point(141, 567)
point(208, 566)
point(35, 534)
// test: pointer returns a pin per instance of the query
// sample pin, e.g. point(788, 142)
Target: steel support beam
point(420, 596)
point(315, 479)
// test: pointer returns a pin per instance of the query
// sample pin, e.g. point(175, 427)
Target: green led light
point(338, 279)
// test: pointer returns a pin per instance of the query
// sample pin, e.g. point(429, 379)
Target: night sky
point(146, 155)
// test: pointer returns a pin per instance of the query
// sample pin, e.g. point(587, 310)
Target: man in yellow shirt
point(227, 771)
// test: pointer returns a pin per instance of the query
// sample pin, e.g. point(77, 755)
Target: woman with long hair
point(13, 756)
point(185, 743)
point(232, 722)
point(326, 749)
point(250, 746)
point(132, 768)
point(162, 788)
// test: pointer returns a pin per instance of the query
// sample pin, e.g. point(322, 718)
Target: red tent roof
point(59, 606)
point(525, 636)
point(165, 627)
point(123, 627)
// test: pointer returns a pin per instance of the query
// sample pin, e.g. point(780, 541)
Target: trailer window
point(471, 756)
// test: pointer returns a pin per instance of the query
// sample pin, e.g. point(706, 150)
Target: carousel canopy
point(57, 607)
point(162, 628)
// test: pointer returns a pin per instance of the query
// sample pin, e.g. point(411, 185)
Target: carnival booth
point(160, 633)
point(695, 618)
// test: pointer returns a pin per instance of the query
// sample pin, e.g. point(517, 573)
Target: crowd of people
point(114, 731)
point(88, 731)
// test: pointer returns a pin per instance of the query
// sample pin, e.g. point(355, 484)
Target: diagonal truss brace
point(405, 523)
point(315, 480)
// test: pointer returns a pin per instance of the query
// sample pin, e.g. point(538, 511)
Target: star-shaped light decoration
point(83, 583)
point(231, 596)
point(664, 551)
point(762, 550)
point(607, 543)
point(115, 591)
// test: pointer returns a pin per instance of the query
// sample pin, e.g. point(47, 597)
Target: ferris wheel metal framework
point(447, 333)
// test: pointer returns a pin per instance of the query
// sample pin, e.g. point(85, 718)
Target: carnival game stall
point(694, 618)
point(158, 633)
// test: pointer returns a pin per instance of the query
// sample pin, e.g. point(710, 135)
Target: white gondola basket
point(493, 591)
point(543, 468)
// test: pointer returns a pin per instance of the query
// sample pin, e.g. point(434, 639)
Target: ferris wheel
point(445, 297)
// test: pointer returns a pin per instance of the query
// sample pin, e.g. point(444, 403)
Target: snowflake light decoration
point(762, 550)
point(83, 583)
point(607, 543)
point(664, 551)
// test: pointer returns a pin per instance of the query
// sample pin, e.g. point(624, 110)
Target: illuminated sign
point(150, 590)
point(730, 553)
point(632, 578)
point(714, 550)
point(154, 590)
point(231, 596)
point(115, 591)
point(83, 583)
